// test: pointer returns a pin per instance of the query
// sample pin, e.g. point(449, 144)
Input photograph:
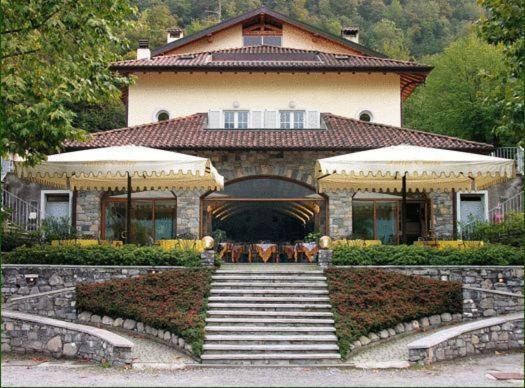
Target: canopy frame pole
point(128, 211)
point(404, 208)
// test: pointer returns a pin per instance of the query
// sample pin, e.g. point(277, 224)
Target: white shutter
point(256, 119)
point(270, 119)
point(313, 119)
point(215, 119)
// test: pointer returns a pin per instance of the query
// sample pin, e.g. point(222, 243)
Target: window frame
point(293, 122)
point(367, 112)
point(236, 122)
point(43, 201)
point(262, 40)
point(158, 112)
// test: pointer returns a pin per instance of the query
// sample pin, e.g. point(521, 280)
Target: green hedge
point(508, 232)
point(412, 255)
point(366, 300)
point(102, 255)
point(171, 300)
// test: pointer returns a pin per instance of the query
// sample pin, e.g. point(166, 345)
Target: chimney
point(174, 34)
point(350, 33)
point(143, 52)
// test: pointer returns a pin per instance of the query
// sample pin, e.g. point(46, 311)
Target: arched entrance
point(264, 208)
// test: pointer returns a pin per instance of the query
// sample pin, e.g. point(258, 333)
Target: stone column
point(188, 211)
point(340, 213)
point(324, 257)
point(88, 213)
point(208, 258)
point(442, 215)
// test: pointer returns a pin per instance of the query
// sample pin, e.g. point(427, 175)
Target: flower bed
point(102, 255)
point(173, 300)
point(368, 300)
point(491, 254)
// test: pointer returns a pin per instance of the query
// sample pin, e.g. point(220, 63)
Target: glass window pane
point(298, 120)
point(386, 213)
point(363, 220)
point(115, 220)
point(249, 40)
point(285, 119)
point(229, 120)
point(165, 219)
point(242, 120)
point(272, 40)
point(142, 223)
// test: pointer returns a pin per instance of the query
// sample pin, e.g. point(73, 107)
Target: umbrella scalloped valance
point(426, 169)
point(108, 169)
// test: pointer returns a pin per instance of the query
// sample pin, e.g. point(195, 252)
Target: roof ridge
point(409, 130)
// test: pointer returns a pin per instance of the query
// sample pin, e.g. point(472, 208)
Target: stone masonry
point(60, 304)
point(340, 210)
point(188, 207)
point(442, 215)
point(88, 213)
point(478, 302)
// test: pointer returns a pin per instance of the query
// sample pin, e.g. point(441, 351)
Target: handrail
point(22, 213)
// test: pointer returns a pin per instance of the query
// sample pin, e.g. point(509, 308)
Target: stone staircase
point(269, 316)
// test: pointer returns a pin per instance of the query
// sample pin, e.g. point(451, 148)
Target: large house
point(264, 96)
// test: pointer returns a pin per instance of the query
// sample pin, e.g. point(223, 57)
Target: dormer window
point(235, 119)
point(291, 119)
point(262, 30)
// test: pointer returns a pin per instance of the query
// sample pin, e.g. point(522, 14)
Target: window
point(162, 115)
point(292, 119)
point(365, 116)
point(235, 119)
point(56, 204)
point(258, 40)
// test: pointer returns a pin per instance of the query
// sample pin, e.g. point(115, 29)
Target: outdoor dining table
point(308, 249)
point(289, 251)
point(264, 251)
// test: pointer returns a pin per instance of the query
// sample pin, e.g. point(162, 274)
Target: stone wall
point(340, 210)
point(56, 277)
point(88, 213)
point(30, 333)
point(442, 215)
point(58, 304)
point(478, 302)
point(188, 209)
point(491, 334)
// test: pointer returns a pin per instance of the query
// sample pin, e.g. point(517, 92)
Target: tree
point(451, 101)
point(388, 39)
point(55, 53)
point(503, 25)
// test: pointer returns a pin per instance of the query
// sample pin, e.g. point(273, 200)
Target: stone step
point(273, 338)
point(256, 313)
point(270, 306)
point(268, 299)
point(272, 321)
point(272, 356)
point(247, 291)
point(268, 272)
point(236, 285)
point(270, 329)
point(271, 347)
point(269, 278)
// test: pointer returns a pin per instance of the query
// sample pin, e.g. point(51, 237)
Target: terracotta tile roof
point(341, 133)
point(268, 58)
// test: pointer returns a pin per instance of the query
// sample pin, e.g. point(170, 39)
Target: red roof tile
point(341, 133)
point(268, 58)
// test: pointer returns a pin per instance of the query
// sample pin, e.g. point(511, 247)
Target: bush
point(492, 254)
point(58, 229)
point(171, 300)
point(369, 300)
point(14, 238)
point(102, 255)
point(508, 232)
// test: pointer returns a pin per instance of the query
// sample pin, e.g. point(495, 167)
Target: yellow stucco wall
point(344, 94)
point(292, 37)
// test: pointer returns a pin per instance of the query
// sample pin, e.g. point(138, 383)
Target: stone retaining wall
point(171, 339)
point(58, 304)
point(55, 277)
point(30, 333)
point(479, 302)
point(501, 333)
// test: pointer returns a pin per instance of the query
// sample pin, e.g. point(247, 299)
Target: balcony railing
point(514, 153)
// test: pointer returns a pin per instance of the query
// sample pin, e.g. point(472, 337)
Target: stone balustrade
point(23, 332)
point(498, 333)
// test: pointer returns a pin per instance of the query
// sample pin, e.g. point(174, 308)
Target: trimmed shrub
point(412, 255)
point(102, 255)
point(369, 300)
point(172, 300)
point(508, 232)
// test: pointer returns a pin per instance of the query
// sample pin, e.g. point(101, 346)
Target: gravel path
point(464, 372)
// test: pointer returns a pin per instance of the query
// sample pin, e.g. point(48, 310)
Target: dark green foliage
point(93, 118)
point(14, 238)
point(171, 300)
point(58, 229)
point(509, 232)
point(102, 255)
point(368, 300)
point(411, 255)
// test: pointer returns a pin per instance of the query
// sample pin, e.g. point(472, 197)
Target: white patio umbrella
point(123, 168)
point(405, 168)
